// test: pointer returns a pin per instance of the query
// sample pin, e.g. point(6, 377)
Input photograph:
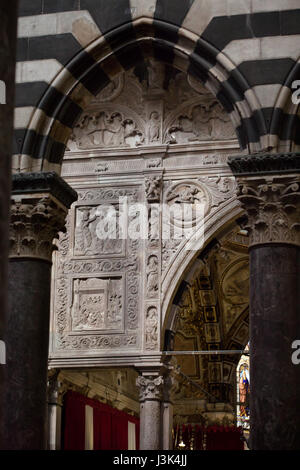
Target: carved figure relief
point(151, 335)
point(90, 293)
point(97, 304)
point(195, 201)
point(154, 127)
point(97, 231)
point(203, 121)
point(152, 275)
point(152, 188)
point(120, 117)
point(105, 129)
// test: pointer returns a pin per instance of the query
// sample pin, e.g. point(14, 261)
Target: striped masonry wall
point(245, 52)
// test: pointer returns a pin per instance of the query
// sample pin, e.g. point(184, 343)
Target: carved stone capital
point(150, 387)
point(38, 209)
point(271, 198)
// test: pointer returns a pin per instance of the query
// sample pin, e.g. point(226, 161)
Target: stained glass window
point(243, 390)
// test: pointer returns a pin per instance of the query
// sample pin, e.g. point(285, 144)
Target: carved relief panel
point(149, 107)
point(97, 304)
point(97, 230)
point(97, 289)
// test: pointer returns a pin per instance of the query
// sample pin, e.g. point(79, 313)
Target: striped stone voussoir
point(68, 51)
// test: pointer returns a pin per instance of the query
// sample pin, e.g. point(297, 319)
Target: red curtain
point(224, 438)
point(102, 429)
point(74, 436)
point(110, 424)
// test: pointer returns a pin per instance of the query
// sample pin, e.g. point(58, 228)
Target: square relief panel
point(97, 231)
point(97, 305)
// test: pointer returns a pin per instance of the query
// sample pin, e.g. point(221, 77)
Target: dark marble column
point(269, 190)
point(274, 325)
point(39, 206)
point(8, 33)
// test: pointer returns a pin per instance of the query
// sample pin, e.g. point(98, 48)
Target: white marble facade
point(154, 138)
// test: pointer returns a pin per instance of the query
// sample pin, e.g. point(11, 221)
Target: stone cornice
point(44, 182)
point(39, 204)
point(281, 163)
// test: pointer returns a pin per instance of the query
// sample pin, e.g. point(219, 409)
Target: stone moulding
point(244, 165)
point(42, 182)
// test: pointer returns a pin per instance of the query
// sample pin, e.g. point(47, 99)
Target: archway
point(93, 68)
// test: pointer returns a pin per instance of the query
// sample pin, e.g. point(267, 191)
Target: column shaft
point(38, 210)
point(26, 336)
point(150, 437)
point(8, 35)
point(274, 325)
point(269, 191)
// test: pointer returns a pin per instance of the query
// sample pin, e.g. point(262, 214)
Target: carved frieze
point(150, 108)
point(107, 128)
point(203, 121)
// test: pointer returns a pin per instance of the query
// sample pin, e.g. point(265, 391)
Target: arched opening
point(158, 138)
point(210, 331)
point(93, 68)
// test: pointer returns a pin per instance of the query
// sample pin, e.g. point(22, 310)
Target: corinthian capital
point(38, 209)
point(269, 191)
point(150, 387)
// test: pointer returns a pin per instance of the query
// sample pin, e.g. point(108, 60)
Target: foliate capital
point(269, 191)
point(150, 387)
point(38, 210)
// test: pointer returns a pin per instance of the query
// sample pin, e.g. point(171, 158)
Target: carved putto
point(153, 188)
point(97, 231)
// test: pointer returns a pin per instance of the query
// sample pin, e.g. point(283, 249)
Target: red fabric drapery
point(110, 424)
point(210, 438)
point(74, 436)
